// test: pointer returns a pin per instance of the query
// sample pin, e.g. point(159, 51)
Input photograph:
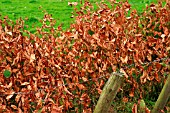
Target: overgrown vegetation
point(99, 42)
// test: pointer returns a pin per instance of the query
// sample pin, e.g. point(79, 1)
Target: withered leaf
point(9, 59)
point(32, 58)
point(17, 98)
point(80, 86)
point(166, 31)
point(143, 77)
point(67, 91)
point(157, 77)
point(104, 67)
point(14, 107)
point(134, 108)
point(25, 83)
point(15, 70)
point(123, 71)
point(149, 57)
point(131, 94)
point(168, 48)
point(9, 85)
point(124, 60)
point(10, 95)
point(125, 99)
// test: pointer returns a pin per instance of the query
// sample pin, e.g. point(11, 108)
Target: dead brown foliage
point(98, 43)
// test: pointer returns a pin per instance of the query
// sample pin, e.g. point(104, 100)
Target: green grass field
point(34, 10)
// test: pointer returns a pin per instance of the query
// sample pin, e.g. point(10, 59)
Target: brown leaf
point(87, 110)
point(17, 58)
point(9, 33)
point(15, 70)
point(32, 58)
point(19, 110)
point(68, 34)
point(29, 87)
point(84, 79)
point(90, 71)
point(131, 94)
point(134, 108)
point(115, 28)
point(67, 91)
point(125, 99)
point(166, 32)
point(157, 76)
point(168, 48)
point(99, 90)
point(9, 85)
point(17, 98)
point(124, 60)
point(150, 78)
point(80, 86)
point(14, 107)
point(104, 67)
point(11, 95)
point(147, 110)
point(83, 96)
point(123, 71)
point(25, 83)
point(143, 77)
point(56, 109)
point(9, 59)
point(149, 57)
point(158, 65)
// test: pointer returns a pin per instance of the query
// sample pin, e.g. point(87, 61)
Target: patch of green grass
point(6, 2)
point(34, 10)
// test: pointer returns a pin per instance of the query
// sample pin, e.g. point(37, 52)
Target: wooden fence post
point(163, 97)
point(109, 92)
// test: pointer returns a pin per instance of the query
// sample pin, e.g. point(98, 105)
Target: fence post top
point(121, 74)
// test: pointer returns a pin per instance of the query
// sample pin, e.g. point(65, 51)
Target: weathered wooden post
point(163, 97)
point(109, 92)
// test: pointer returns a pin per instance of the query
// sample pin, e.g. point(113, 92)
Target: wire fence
point(103, 76)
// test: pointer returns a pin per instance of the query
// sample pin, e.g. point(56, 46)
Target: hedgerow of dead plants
point(99, 42)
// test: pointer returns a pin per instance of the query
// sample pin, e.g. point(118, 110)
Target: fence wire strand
point(67, 84)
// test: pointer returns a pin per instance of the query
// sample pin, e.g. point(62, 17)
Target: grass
point(34, 10)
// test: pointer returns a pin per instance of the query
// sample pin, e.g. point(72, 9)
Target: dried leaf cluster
point(99, 42)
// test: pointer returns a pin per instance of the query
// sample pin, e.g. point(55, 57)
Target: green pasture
point(34, 10)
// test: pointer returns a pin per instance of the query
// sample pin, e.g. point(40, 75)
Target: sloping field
point(34, 10)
